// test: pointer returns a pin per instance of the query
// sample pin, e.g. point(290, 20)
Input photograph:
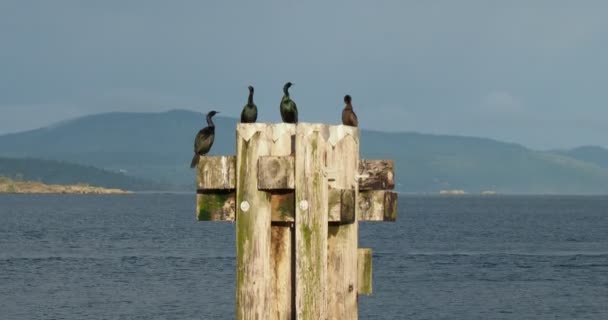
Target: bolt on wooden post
point(297, 193)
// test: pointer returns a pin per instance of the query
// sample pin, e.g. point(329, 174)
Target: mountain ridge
point(592, 154)
point(158, 146)
point(64, 173)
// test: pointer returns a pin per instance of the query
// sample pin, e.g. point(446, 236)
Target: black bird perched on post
point(250, 111)
point(289, 111)
point(349, 118)
point(204, 139)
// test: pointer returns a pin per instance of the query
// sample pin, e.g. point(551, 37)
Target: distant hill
point(591, 154)
point(147, 145)
point(56, 172)
point(158, 146)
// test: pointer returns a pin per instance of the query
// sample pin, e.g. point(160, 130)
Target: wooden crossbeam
point(216, 173)
point(373, 205)
point(277, 173)
point(341, 205)
point(376, 174)
point(216, 183)
point(377, 205)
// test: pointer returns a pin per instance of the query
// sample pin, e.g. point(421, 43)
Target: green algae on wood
point(341, 205)
point(311, 199)
point(282, 205)
point(253, 232)
point(342, 277)
point(365, 271)
point(216, 206)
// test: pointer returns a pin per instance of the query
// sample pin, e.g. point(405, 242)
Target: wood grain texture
point(216, 206)
point(253, 232)
point(377, 205)
point(282, 209)
point(282, 206)
point(297, 193)
point(365, 271)
point(342, 205)
point(276, 172)
point(376, 174)
point(216, 173)
point(342, 277)
point(311, 221)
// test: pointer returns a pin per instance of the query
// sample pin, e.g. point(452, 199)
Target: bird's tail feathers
point(195, 160)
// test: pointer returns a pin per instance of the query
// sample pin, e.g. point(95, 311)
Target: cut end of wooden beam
point(276, 172)
point(364, 271)
point(216, 173)
point(341, 205)
point(377, 205)
point(390, 206)
point(376, 174)
point(217, 206)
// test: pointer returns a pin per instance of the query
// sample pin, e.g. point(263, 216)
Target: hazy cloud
point(501, 101)
point(512, 70)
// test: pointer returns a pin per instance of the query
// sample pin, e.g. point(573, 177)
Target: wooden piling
point(343, 162)
point(297, 194)
point(282, 201)
point(311, 221)
point(253, 232)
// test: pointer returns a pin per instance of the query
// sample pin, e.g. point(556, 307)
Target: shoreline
point(9, 186)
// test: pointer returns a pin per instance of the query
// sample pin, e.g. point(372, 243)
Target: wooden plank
point(342, 162)
point(365, 271)
point(282, 252)
point(341, 205)
point(376, 175)
point(216, 206)
point(281, 270)
point(374, 205)
point(311, 222)
point(253, 233)
point(276, 172)
point(216, 173)
point(390, 206)
point(378, 205)
point(282, 206)
point(334, 204)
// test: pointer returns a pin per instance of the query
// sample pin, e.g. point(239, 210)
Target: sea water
point(143, 256)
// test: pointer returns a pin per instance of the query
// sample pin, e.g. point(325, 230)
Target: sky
point(529, 72)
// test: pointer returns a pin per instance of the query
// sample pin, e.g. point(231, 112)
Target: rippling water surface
point(145, 257)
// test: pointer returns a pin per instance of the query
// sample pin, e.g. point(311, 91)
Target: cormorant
point(289, 111)
point(250, 111)
point(204, 139)
point(349, 118)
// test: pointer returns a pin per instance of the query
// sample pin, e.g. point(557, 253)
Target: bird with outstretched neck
point(250, 110)
point(204, 139)
point(289, 111)
point(349, 118)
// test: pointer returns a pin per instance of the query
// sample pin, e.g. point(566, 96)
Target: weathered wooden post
point(297, 193)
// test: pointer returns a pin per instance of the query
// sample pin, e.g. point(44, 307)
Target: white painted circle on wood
point(245, 206)
point(304, 205)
